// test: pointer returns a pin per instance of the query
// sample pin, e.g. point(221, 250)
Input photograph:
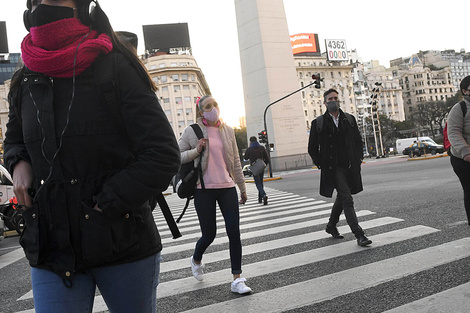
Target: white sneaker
point(198, 270)
point(238, 286)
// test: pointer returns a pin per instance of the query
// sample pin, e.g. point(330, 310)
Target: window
point(175, 77)
point(167, 112)
point(190, 122)
point(181, 124)
point(189, 111)
point(180, 112)
point(193, 78)
point(173, 64)
point(166, 100)
point(155, 79)
point(153, 67)
point(163, 79)
point(185, 87)
point(161, 65)
point(178, 100)
point(187, 99)
point(165, 88)
point(183, 64)
point(177, 88)
point(184, 77)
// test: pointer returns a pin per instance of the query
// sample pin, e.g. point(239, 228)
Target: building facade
point(180, 82)
point(421, 84)
point(335, 76)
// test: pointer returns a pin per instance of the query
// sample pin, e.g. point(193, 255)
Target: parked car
point(420, 148)
point(247, 170)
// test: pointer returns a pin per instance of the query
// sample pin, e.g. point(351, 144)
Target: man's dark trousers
point(344, 202)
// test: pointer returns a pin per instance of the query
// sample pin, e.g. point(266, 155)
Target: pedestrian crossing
point(288, 260)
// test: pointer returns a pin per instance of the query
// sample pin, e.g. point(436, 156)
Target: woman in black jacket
point(82, 175)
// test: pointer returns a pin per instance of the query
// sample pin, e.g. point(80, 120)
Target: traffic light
point(263, 136)
point(318, 80)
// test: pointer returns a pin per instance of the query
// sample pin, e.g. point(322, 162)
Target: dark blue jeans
point(259, 185)
point(129, 287)
point(462, 170)
point(344, 202)
point(205, 204)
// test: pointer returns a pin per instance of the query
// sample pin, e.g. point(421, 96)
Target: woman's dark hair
point(101, 24)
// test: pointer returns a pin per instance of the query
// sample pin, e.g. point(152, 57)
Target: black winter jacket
point(95, 163)
point(325, 152)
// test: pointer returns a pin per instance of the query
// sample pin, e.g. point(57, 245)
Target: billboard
point(166, 36)
point(336, 50)
point(305, 43)
point(3, 38)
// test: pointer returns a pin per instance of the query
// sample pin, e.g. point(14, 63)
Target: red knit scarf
point(50, 49)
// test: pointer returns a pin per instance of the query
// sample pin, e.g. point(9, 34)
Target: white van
point(406, 142)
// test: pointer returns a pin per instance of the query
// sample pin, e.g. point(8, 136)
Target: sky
point(378, 30)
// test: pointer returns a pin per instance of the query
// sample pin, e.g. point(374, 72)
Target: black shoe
point(260, 200)
point(363, 241)
point(265, 200)
point(333, 231)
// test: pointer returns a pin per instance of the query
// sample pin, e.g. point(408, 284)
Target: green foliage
point(242, 141)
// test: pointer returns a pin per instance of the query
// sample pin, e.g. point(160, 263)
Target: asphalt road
point(412, 210)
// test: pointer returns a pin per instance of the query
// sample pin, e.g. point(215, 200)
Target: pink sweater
point(216, 176)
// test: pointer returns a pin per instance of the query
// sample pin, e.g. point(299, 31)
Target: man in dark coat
point(336, 148)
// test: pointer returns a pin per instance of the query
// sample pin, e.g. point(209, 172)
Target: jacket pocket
point(106, 240)
point(29, 238)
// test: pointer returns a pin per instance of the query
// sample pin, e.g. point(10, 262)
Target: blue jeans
point(344, 202)
point(130, 287)
point(205, 204)
point(259, 185)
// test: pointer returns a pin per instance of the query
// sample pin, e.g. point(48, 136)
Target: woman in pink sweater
point(222, 171)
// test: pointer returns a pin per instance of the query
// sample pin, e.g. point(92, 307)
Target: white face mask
point(212, 115)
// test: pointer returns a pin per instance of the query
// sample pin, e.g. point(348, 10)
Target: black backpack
point(185, 180)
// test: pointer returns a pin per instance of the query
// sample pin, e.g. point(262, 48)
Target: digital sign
point(336, 49)
point(305, 43)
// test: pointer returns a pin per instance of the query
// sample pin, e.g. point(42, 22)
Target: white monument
point(269, 73)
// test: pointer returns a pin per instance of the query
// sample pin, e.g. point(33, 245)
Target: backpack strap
point(463, 106)
point(350, 118)
point(198, 131)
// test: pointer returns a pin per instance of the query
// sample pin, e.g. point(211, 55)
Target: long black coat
point(95, 163)
point(324, 152)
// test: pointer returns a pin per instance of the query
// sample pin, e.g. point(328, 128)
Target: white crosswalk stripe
point(269, 234)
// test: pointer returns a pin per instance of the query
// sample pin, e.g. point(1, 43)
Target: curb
point(428, 158)
point(264, 179)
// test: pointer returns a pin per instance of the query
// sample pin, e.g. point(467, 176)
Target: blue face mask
point(212, 115)
point(45, 14)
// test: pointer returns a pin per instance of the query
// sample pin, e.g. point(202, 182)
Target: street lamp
point(317, 82)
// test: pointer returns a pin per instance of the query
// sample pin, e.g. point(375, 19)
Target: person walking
point(221, 171)
point(254, 152)
point(458, 132)
point(336, 148)
point(83, 185)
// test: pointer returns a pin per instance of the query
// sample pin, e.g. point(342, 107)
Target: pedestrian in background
point(254, 152)
point(458, 132)
point(83, 185)
point(336, 149)
point(221, 172)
